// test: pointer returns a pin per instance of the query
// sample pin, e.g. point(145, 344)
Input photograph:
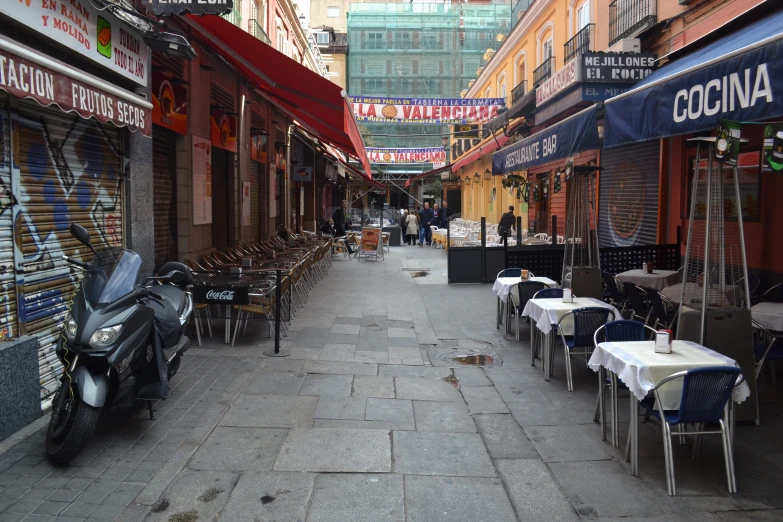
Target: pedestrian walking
point(403, 225)
point(340, 218)
point(444, 214)
point(411, 228)
point(425, 233)
point(507, 222)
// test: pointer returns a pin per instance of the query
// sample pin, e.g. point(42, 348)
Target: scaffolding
point(419, 50)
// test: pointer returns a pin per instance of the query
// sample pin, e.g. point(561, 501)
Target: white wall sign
point(559, 82)
point(97, 35)
point(202, 181)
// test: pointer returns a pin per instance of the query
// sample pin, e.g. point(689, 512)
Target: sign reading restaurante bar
point(426, 110)
point(26, 79)
point(559, 82)
point(617, 67)
point(95, 34)
point(428, 155)
point(200, 7)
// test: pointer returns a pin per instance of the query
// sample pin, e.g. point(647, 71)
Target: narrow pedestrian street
point(371, 419)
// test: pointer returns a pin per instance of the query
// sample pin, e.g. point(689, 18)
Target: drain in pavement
point(419, 274)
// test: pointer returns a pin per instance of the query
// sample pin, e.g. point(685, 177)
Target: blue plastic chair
point(526, 290)
point(510, 272)
point(586, 321)
point(705, 395)
point(764, 346)
point(549, 293)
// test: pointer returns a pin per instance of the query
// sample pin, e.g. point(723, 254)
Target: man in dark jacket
point(425, 233)
point(340, 217)
point(507, 222)
point(444, 214)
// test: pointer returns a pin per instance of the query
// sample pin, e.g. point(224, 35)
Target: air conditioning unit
point(626, 45)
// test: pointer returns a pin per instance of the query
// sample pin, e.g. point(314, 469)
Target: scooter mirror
point(80, 233)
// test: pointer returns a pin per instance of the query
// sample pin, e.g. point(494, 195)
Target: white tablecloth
point(547, 312)
point(640, 367)
point(503, 285)
point(659, 279)
point(769, 315)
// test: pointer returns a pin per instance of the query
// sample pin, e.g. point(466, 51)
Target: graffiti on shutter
point(8, 316)
point(164, 194)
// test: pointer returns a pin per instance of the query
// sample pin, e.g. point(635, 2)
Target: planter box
point(20, 402)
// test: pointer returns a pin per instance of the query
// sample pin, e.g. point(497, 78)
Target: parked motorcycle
point(120, 344)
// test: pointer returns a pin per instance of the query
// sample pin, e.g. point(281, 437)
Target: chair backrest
point(510, 272)
point(611, 286)
point(586, 321)
point(560, 240)
point(774, 294)
point(705, 392)
point(525, 291)
point(634, 294)
point(622, 330)
point(542, 235)
point(656, 301)
point(549, 293)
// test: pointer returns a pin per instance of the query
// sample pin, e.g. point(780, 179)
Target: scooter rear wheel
point(66, 439)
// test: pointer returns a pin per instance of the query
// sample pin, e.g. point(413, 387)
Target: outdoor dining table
point(674, 293)
point(658, 279)
point(769, 315)
point(503, 286)
point(640, 367)
point(546, 313)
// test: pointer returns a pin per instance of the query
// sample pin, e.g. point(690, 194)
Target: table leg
point(228, 324)
point(615, 411)
point(601, 405)
point(532, 344)
point(634, 427)
point(497, 319)
point(546, 349)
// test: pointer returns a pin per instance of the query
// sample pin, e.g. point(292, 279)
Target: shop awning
point(313, 101)
point(356, 172)
point(572, 135)
point(487, 148)
point(432, 172)
point(523, 107)
point(739, 77)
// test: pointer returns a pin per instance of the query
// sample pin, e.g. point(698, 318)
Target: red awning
point(428, 173)
point(356, 172)
point(313, 101)
point(488, 148)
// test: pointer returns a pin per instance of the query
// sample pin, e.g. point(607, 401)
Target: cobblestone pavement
point(369, 419)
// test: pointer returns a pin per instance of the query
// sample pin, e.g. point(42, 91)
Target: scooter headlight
point(105, 336)
point(70, 328)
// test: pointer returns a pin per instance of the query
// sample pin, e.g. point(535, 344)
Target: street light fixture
point(477, 179)
point(487, 175)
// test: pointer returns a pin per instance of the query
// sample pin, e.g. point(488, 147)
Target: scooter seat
point(173, 294)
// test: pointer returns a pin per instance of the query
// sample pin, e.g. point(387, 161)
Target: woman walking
point(412, 222)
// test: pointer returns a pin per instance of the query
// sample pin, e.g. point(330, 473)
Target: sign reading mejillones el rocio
point(389, 156)
point(201, 7)
point(425, 110)
point(617, 67)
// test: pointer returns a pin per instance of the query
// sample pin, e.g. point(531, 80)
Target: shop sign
point(258, 148)
point(602, 91)
point(617, 67)
point(201, 159)
point(559, 82)
point(372, 242)
point(199, 7)
point(772, 153)
point(223, 129)
point(92, 33)
point(302, 173)
point(426, 110)
point(466, 131)
point(219, 295)
point(169, 103)
point(26, 79)
point(399, 156)
point(728, 143)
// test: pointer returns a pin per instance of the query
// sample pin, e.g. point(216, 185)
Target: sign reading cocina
point(78, 25)
point(426, 110)
point(617, 67)
point(26, 79)
point(560, 81)
point(201, 7)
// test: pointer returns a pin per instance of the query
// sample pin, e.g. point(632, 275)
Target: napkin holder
point(247, 262)
point(568, 295)
point(663, 341)
point(650, 268)
point(525, 274)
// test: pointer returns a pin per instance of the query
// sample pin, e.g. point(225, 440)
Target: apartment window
point(430, 41)
point(547, 50)
point(405, 86)
point(281, 37)
point(322, 38)
point(488, 92)
point(521, 71)
point(333, 12)
point(582, 16)
point(374, 86)
point(374, 69)
point(404, 69)
point(402, 40)
point(374, 40)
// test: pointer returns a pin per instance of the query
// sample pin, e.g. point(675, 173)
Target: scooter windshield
point(114, 274)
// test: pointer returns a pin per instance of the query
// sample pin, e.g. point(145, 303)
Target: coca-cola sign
point(221, 295)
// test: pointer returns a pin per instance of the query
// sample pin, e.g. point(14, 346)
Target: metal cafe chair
point(546, 293)
point(612, 292)
point(663, 316)
point(705, 396)
point(525, 291)
point(639, 309)
point(763, 344)
point(586, 321)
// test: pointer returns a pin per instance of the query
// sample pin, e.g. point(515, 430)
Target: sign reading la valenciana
point(426, 110)
point(389, 156)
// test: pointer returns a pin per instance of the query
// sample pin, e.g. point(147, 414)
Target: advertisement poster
point(202, 181)
point(93, 33)
point(728, 143)
point(426, 110)
point(245, 203)
point(301, 173)
point(258, 148)
point(772, 153)
point(272, 190)
point(223, 129)
point(392, 156)
point(372, 243)
point(169, 103)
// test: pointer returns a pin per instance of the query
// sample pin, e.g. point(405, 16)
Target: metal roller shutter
point(628, 204)
point(255, 199)
point(65, 170)
point(164, 171)
point(8, 317)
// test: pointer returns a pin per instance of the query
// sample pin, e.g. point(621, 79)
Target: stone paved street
point(368, 419)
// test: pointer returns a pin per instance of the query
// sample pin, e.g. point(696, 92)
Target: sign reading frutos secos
point(79, 25)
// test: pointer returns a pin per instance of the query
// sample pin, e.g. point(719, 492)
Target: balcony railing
point(518, 92)
point(256, 30)
point(519, 10)
point(628, 18)
point(544, 71)
point(581, 42)
point(234, 17)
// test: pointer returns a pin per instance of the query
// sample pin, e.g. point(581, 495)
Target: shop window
point(748, 176)
point(322, 38)
point(333, 12)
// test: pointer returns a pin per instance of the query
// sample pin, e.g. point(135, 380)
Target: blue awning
point(575, 134)
point(739, 77)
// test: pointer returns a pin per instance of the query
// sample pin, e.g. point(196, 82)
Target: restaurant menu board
point(245, 203)
point(372, 242)
point(202, 181)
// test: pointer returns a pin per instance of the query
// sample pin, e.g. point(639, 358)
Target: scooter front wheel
point(67, 435)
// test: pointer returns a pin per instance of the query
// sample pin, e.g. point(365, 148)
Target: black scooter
point(120, 343)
